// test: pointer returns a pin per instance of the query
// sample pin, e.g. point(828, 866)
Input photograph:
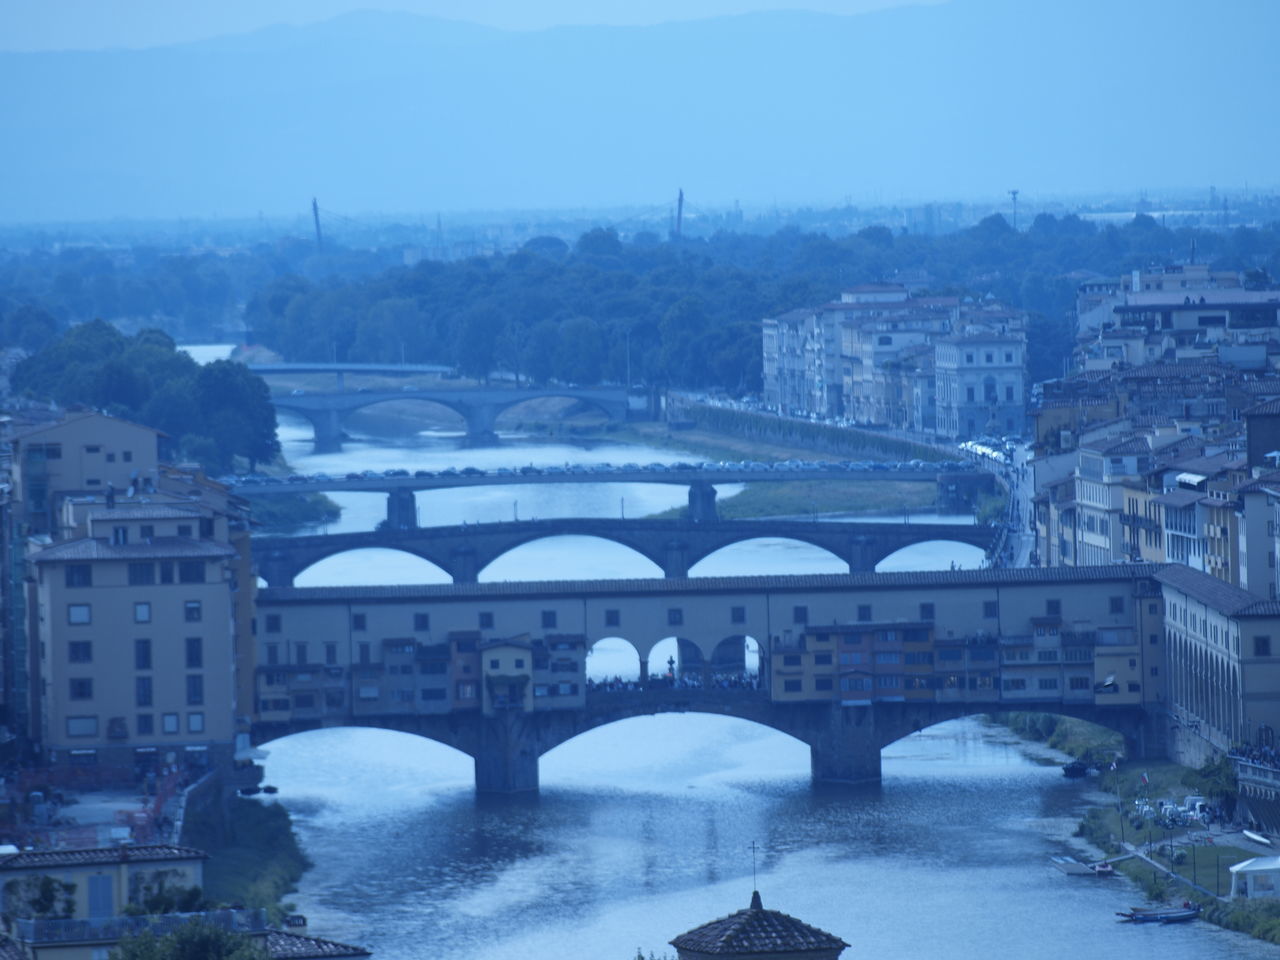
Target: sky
point(28, 25)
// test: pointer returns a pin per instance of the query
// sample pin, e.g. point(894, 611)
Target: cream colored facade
point(1224, 663)
point(82, 453)
point(103, 880)
point(136, 654)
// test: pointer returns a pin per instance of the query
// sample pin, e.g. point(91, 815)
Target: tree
point(195, 940)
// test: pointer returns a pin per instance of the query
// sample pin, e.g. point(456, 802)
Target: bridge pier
point(507, 761)
point(328, 431)
point(847, 750)
point(402, 510)
point(861, 557)
point(675, 560)
point(463, 565)
point(481, 420)
point(702, 502)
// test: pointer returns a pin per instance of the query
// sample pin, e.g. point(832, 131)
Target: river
point(645, 828)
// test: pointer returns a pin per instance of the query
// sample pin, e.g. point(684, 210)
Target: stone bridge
point(479, 407)
point(673, 545)
point(844, 741)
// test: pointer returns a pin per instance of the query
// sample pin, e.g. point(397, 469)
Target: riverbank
point(1173, 864)
point(254, 856)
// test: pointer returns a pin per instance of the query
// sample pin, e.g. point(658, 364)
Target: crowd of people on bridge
point(685, 681)
point(1263, 756)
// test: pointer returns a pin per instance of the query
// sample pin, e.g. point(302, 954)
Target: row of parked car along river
point(850, 466)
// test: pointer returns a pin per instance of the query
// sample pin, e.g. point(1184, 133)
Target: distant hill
point(391, 112)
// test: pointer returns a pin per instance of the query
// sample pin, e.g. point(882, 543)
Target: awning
point(1193, 479)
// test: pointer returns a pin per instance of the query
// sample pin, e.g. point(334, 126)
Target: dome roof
point(758, 931)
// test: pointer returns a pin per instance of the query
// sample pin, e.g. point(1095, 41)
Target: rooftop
point(1215, 593)
point(757, 931)
point(160, 548)
point(294, 946)
point(142, 853)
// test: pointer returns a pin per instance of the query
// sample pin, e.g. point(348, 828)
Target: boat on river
point(1188, 911)
point(1075, 769)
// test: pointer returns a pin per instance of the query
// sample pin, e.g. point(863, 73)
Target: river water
point(645, 828)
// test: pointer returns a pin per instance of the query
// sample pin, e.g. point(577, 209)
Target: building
point(981, 388)
point(756, 934)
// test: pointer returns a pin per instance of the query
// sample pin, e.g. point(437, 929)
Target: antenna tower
point(315, 215)
point(1014, 194)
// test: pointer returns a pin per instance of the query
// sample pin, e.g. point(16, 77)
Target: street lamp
point(671, 667)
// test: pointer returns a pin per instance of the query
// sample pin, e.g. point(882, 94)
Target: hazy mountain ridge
point(397, 112)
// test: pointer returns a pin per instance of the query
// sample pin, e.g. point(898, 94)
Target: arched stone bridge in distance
point(478, 406)
point(673, 545)
point(844, 741)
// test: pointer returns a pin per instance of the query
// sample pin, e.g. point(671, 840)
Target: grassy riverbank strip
point(1166, 864)
point(254, 859)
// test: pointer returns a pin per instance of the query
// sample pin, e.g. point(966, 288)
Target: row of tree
point(210, 414)
point(687, 313)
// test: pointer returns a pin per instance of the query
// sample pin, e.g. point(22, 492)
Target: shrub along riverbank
point(254, 857)
point(1193, 865)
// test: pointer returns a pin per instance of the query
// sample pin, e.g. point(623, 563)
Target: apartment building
point(981, 385)
point(136, 658)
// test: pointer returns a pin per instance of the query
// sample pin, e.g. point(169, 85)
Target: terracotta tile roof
point(145, 511)
point(758, 931)
point(294, 946)
point(1216, 593)
point(141, 853)
point(709, 585)
point(1267, 407)
point(160, 548)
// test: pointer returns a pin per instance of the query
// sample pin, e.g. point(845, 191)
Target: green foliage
point(213, 413)
point(195, 940)
point(39, 896)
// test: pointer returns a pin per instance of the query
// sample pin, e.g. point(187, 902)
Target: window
point(433, 693)
point(1008, 393)
point(142, 654)
point(486, 620)
point(519, 663)
point(548, 619)
point(792, 686)
point(146, 724)
point(79, 614)
point(467, 690)
point(80, 688)
point(864, 612)
point(120, 536)
point(169, 723)
point(330, 654)
point(791, 660)
point(493, 663)
point(184, 529)
point(613, 618)
point(192, 611)
point(926, 611)
point(822, 659)
point(822, 683)
point(299, 654)
point(142, 574)
point(366, 651)
point(991, 609)
point(80, 651)
point(78, 575)
point(1135, 687)
point(195, 722)
point(148, 532)
point(1048, 683)
point(1115, 604)
point(273, 623)
point(166, 571)
point(195, 689)
point(142, 691)
point(273, 654)
point(888, 656)
point(1262, 646)
point(1080, 683)
point(968, 394)
point(195, 653)
point(359, 621)
point(737, 614)
point(1155, 671)
point(82, 726)
point(1014, 683)
point(422, 621)
point(675, 616)
point(142, 612)
point(1053, 608)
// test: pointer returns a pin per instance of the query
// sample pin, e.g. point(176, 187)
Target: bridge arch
point(935, 554)
point(600, 563)
point(764, 555)
point(510, 410)
point(434, 402)
point(613, 656)
point(372, 566)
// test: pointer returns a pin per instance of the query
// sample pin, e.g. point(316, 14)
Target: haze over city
point(417, 108)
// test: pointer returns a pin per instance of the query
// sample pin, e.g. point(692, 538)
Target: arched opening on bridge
point(676, 655)
point(934, 555)
point(611, 658)
point(540, 410)
point(569, 558)
point(768, 555)
point(397, 416)
point(671, 752)
point(737, 656)
point(370, 567)
point(340, 766)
